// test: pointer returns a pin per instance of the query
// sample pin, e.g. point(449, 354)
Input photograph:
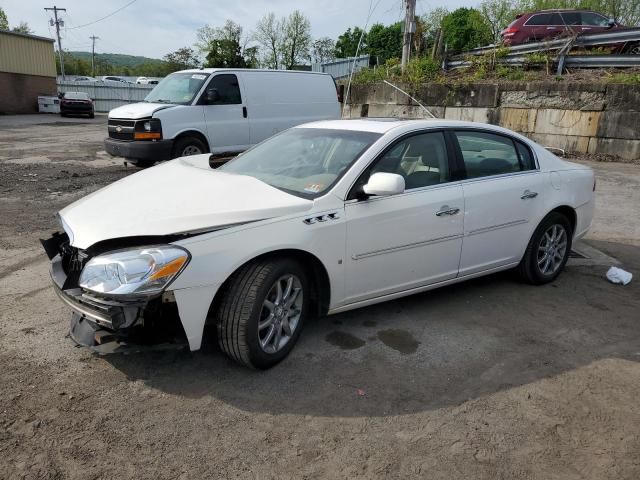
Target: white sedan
point(319, 219)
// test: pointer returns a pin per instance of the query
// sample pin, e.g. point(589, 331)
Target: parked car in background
point(549, 24)
point(219, 111)
point(146, 81)
point(111, 78)
point(84, 79)
point(320, 219)
point(76, 103)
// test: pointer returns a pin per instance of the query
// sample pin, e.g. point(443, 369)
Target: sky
point(153, 28)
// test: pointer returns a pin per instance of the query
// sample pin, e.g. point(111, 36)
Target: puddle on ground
point(344, 340)
point(400, 340)
point(369, 323)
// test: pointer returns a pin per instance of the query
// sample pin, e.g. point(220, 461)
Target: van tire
point(241, 307)
point(189, 144)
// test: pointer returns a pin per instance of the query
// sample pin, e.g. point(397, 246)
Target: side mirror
point(612, 22)
point(384, 184)
point(211, 95)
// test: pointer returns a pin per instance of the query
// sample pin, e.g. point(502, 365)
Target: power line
point(106, 16)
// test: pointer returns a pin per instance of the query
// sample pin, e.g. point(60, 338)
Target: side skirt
point(424, 288)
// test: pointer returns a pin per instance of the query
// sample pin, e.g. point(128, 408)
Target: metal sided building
point(27, 69)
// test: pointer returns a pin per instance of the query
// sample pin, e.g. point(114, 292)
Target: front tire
point(262, 311)
point(548, 250)
point(187, 146)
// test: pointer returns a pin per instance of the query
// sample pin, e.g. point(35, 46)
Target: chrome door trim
point(497, 227)
point(408, 246)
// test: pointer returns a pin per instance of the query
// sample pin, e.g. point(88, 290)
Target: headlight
point(147, 126)
point(144, 271)
point(148, 129)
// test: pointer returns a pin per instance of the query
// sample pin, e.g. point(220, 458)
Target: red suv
point(547, 24)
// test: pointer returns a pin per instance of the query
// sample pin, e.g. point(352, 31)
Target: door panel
point(498, 222)
point(227, 126)
point(397, 243)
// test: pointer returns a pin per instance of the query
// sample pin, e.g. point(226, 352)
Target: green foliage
point(347, 43)
point(79, 63)
point(4, 21)
point(464, 29)
point(384, 42)
point(225, 53)
point(181, 59)
point(625, 78)
point(23, 27)
point(421, 69)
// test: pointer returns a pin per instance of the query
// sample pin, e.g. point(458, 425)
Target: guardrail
point(341, 67)
point(107, 96)
point(517, 55)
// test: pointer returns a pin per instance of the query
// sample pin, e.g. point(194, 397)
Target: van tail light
point(509, 32)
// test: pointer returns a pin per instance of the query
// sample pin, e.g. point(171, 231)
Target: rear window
point(76, 96)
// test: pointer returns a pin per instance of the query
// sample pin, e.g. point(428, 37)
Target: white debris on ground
point(618, 275)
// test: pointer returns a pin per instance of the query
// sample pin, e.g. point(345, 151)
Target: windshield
point(177, 88)
point(303, 161)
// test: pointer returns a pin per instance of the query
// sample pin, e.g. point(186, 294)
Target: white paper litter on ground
point(617, 275)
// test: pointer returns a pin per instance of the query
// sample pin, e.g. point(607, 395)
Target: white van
point(218, 110)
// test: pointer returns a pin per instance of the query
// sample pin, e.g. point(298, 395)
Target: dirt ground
point(488, 379)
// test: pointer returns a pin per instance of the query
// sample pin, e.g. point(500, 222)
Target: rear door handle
point(446, 210)
point(244, 112)
point(528, 194)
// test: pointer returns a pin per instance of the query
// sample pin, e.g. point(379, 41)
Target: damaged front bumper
point(108, 325)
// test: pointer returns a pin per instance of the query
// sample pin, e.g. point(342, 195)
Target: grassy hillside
point(117, 59)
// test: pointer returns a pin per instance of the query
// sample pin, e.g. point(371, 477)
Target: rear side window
point(572, 18)
point(486, 154)
point(228, 89)
point(540, 19)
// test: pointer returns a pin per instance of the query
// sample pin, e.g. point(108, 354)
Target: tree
point(225, 54)
point(23, 27)
point(464, 29)
point(269, 34)
point(497, 14)
point(223, 47)
point(251, 57)
point(181, 59)
point(322, 50)
point(296, 40)
point(385, 42)
point(4, 21)
point(347, 43)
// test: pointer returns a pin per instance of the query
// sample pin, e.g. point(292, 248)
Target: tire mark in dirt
point(27, 262)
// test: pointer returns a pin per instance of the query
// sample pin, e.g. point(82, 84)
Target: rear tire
point(92, 115)
point(186, 146)
point(548, 250)
point(258, 323)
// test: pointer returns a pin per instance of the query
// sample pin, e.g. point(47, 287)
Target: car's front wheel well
point(317, 273)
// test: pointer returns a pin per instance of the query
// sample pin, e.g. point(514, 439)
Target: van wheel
point(548, 250)
point(262, 311)
point(187, 146)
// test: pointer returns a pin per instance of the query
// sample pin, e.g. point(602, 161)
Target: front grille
point(73, 259)
point(121, 129)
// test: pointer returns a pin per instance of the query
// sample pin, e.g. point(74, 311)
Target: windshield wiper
point(162, 100)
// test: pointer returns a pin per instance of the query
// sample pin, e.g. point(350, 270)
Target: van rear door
point(225, 114)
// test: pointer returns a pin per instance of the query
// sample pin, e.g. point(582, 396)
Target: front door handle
point(528, 194)
point(446, 210)
point(244, 112)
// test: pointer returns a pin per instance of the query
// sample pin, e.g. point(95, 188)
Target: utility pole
point(93, 54)
point(58, 24)
point(409, 29)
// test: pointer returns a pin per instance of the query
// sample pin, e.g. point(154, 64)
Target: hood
point(178, 196)
point(135, 111)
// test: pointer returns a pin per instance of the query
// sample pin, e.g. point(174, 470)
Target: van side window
point(228, 89)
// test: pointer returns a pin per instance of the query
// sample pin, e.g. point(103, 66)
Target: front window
point(594, 20)
point(303, 161)
point(177, 88)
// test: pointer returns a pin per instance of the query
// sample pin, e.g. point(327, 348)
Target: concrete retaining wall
point(580, 118)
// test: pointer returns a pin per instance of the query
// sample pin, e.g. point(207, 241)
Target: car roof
point(385, 125)
point(263, 70)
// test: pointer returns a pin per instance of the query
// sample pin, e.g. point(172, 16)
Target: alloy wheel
point(280, 314)
point(552, 249)
point(191, 150)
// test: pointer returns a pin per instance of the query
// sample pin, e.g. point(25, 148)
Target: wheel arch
point(193, 133)
point(569, 213)
point(318, 274)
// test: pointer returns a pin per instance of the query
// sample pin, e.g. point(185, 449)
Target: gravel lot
point(484, 380)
